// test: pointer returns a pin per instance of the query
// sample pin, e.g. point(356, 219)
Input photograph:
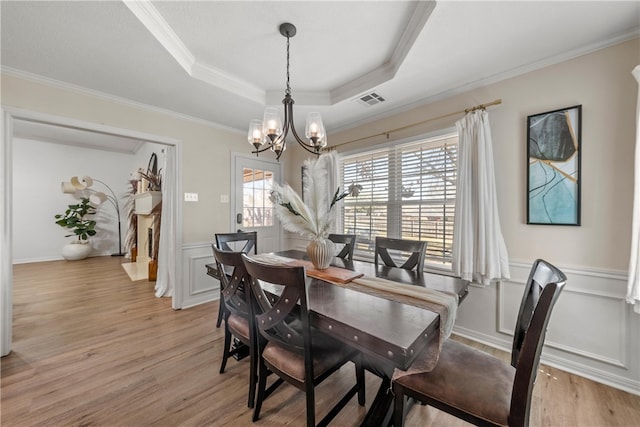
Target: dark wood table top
point(376, 326)
point(389, 334)
point(438, 282)
point(388, 330)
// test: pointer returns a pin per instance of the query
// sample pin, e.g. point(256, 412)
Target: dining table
point(389, 334)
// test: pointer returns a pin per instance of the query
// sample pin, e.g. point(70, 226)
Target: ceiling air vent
point(370, 99)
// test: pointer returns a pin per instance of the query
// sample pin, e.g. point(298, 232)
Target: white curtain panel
point(479, 251)
point(633, 286)
point(330, 162)
point(166, 253)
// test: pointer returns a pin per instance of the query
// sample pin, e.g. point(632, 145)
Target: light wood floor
point(92, 348)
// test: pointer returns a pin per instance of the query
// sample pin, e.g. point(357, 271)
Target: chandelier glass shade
point(272, 131)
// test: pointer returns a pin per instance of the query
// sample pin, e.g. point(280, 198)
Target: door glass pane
point(257, 207)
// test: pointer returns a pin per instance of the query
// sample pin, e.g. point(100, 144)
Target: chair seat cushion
point(239, 326)
point(469, 380)
point(327, 353)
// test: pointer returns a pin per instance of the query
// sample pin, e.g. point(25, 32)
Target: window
point(257, 207)
point(408, 191)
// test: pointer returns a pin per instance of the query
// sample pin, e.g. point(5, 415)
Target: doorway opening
point(173, 149)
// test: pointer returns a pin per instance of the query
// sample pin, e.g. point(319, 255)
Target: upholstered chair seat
point(478, 387)
point(326, 355)
point(289, 346)
point(239, 326)
point(243, 241)
point(235, 303)
point(482, 385)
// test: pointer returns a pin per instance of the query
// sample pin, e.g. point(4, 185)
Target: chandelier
point(270, 133)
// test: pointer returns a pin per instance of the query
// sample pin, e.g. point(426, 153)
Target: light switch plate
point(190, 197)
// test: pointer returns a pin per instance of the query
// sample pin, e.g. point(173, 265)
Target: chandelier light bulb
point(271, 124)
point(314, 130)
point(255, 135)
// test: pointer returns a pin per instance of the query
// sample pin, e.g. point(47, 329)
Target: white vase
point(321, 252)
point(76, 250)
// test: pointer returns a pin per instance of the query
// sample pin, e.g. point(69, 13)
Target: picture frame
point(554, 148)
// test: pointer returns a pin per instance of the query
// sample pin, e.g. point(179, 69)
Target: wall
point(205, 160)
point(592, 332)
point(38, 170)
point(206, 153)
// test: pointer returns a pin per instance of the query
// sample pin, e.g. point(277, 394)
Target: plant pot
point(321, 252)
point(76, 250)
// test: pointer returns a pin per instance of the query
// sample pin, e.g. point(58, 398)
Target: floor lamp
point(96, 198)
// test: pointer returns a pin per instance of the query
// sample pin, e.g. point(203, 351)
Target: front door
point(252, 209)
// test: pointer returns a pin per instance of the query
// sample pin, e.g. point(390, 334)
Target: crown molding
point(220, 79)
point(390, 67)
point(153, 21)
point(275, 97)
point(114, 99)
point(496, 78)
point(149, 16)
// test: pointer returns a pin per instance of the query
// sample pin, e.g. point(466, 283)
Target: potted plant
point(74, 219)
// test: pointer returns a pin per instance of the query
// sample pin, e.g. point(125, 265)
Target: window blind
point(408, 191)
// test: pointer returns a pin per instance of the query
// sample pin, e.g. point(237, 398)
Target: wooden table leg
point(381, 410)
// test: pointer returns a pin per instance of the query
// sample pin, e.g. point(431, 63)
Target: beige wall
point(603, 84)
point(206, 150)
point(593, 331)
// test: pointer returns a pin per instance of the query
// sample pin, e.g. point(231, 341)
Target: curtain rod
point(466, 110)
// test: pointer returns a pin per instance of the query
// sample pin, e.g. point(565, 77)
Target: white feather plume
point(293, 213)
point(311, 218)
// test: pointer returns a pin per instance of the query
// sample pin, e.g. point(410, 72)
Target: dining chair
point(288, 346)
point(349, 241)
point(238, 317)
point(242, 241)
point(415, 248)
point(482, 389)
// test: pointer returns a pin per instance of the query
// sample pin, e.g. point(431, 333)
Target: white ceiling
point(223, 61)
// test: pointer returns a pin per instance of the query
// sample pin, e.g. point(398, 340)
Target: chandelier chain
point(288, 91)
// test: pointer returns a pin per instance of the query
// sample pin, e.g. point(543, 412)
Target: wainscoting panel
point(592, 331)
point(200, 287)
point(575, 311)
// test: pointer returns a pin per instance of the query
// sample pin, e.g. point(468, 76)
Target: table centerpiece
point(312, 217)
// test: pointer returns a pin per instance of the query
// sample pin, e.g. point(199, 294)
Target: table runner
point(443, 303)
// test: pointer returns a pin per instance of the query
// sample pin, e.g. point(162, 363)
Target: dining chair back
point(413, 250)
point(349, 241)
point(242, 241)
point(287, 345)
point(238, 314)
point(483, 389)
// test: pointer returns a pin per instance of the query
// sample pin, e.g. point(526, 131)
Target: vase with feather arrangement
point(321, 251)
point(313, 217)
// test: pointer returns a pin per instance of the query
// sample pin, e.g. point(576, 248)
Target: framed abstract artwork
point(553, 162)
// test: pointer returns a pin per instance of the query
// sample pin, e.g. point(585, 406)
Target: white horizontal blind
point(408, 191)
